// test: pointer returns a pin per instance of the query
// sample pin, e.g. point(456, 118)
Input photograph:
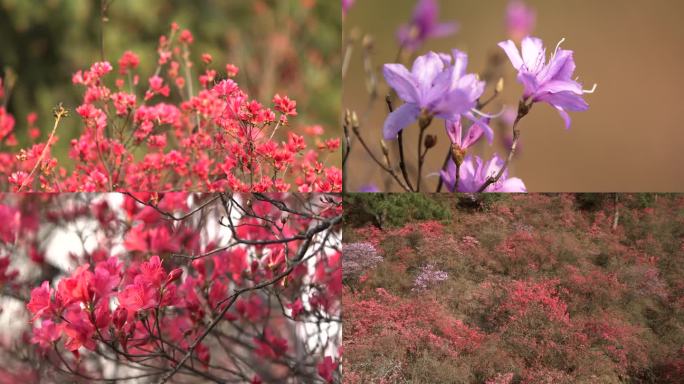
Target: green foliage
point(392, 210)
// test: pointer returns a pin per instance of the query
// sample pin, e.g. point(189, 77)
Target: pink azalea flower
point(520, 19)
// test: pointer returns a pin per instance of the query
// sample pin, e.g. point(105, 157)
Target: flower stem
point(523, 110)
point(60, 112)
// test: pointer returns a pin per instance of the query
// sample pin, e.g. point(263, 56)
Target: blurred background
point(631, 138)
point(281, 46)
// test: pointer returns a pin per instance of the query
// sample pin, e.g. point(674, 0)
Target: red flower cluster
point(152, 301)
point(169, 137)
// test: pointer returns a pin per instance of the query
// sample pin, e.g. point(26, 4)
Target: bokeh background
point(631, 139)
point(281, 46)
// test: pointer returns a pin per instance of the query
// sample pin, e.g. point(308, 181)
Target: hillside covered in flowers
point(523, 289)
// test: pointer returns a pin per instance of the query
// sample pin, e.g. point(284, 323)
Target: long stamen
point(558, 46)
point(592, 90)
point(477, 112)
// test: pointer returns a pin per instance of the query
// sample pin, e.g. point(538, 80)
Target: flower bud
point(500, 85)
point(174, 275)
point(120, 316)
point(430, 141)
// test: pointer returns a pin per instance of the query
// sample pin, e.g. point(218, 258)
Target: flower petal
point(512, 185)
point(449, 176)
point(400, 119)
point(569, 101)
point(444, 29)
point(426, 68)
point(512, 52)
point(560, 67)
point(565, 116)
point(402, 81)
point(533, 53)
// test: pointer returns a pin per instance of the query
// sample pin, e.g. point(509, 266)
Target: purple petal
point(369, 188)
point(460, 63)
point(400, 119)
point(454, 131)
point(426, 68)
point(512, 52)
point(565, 116)
point(444, 29)
point(560, 67)
point(558, 86)
point(529, 81)
point(425, 13)
point(449, 176)
point(569, 101)
point(480, 127)
point(533, 53)
point(402, 81)
point(512, 185)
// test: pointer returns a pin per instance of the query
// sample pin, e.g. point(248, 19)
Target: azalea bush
point(425, 89)
point(170, 287)
point(534, 289)
point(186, 126)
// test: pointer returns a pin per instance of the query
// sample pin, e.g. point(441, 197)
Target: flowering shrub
point(358, 258)
point(522, 296)
point(429, 276)
point(171, 131)
point(215, 286)
point(437, 86)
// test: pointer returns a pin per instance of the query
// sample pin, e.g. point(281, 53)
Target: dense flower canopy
point(162, 134)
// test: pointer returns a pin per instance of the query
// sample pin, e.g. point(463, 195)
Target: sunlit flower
point(433, 88)
point(550, 82)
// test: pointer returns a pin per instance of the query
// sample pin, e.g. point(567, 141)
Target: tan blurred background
point(631, 138)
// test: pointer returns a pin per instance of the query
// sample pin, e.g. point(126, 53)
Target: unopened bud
point(119, 317)
point(500, 85)
point(367, 42)
point(430, 141)
point(174, 275)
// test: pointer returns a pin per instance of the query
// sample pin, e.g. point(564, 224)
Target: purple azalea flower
point(434, 87)
point(473, 174)
point(424, 25)
point(520, 19)
point(550, 82)
point(346, 4)
point(369, 188)
point(475, 132)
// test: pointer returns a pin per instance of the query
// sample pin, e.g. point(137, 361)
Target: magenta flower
point(550, 82)
point(433, 88)
point(472, 175)
point(346, 4)
point(520, 19)
point(424, 25)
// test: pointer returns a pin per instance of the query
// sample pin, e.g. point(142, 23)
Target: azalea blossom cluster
point(358, 258)
point(172, 131)
point(439, 87)
point(428, 276)
point(215, 286)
